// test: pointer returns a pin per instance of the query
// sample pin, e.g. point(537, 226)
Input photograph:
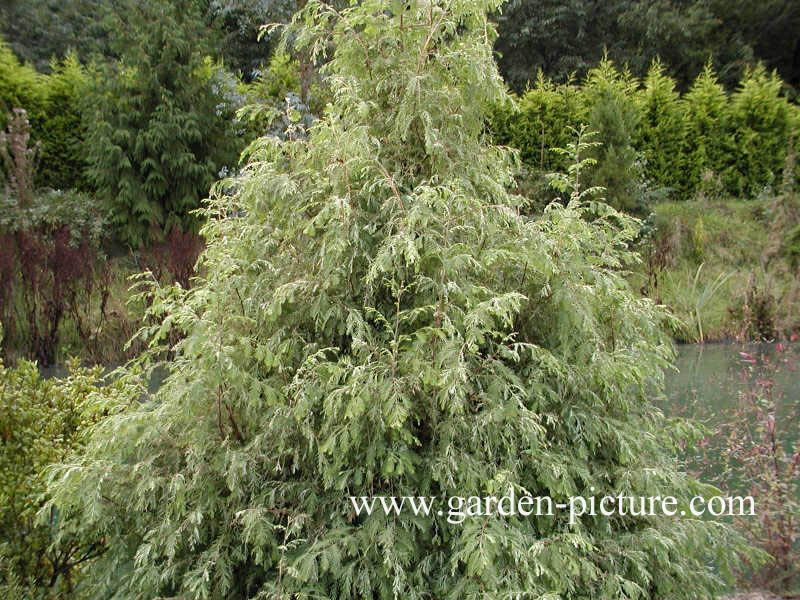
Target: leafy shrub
point(379, 319)
point(42, 421)
point(538, 122)
point(653, 140)
point(160, 129)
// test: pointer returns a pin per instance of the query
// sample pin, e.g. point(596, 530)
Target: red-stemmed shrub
point(173, 260)
point(755, 452)
point(46, 277)
point(52, 271)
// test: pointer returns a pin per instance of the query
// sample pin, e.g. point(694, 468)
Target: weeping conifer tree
point(382, 321)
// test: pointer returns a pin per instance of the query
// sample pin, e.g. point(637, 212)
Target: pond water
point(711, 378)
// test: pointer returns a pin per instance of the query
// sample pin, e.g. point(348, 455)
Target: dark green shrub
point(609, 100)
point(160, 128)
point(759, 123)
point(660, 136)
point(53, 107)
point(60, 128)
point(539, 122)
point(653, 141)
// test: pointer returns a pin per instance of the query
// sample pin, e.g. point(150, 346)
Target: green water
point(709, 378)
point(708, 384)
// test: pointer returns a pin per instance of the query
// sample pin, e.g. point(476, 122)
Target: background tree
point(20, 85)
point(761, 128)
point(563, 38)
point(662, 128)
point(612, 112)
point(240, 22)
point(53, 106)
point(708, 145)
point(768, 29)
point(40, 30)
point(60, 127)
point(159, 123)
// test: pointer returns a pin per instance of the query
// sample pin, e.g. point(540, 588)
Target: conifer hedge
point(654, 136)
point(53, 105)
point(159, 127)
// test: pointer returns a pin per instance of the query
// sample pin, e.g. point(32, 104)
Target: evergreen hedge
point(654, 136)
point(53, 106)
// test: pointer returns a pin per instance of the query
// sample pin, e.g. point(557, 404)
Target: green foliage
point(568, 37)
point(239, 22)
point(40, 31)
point(60, 128)
point(159, 124)
point(708, 142)
point(376, 317)
point(757, 294)
point(610, 103)
point(761, 130)
point(20, 85)
point(662, 129)
point(577, 154)
point(792, 246)
point(539, 122)
point(54, 209)
point(653, 140)
point(273, 98)
point(536, 123)
point(53, 106)
point(42, 421)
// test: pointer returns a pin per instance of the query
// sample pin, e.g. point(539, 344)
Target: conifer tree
point(159, 132)
point(540, 122)
point(661, 131)
point(708, 144)
point(612, 111)
point(760, 124)
point(376, 318)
